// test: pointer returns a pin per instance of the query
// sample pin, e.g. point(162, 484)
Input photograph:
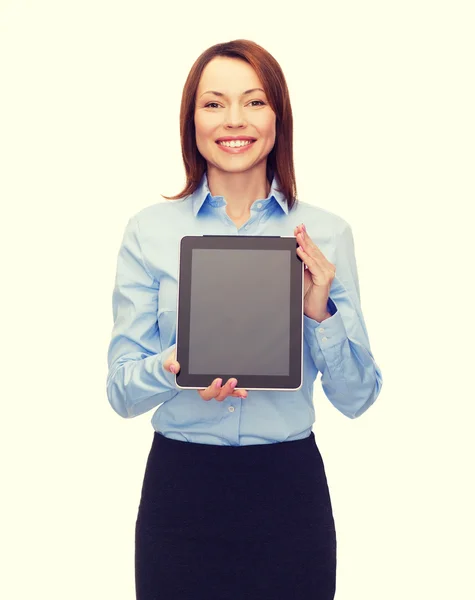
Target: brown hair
point(280, 160)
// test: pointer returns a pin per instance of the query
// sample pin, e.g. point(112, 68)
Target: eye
point(216, 104)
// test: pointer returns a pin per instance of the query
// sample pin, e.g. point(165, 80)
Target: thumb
point(171, 364)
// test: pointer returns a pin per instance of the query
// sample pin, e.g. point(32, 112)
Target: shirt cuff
point(329, 332)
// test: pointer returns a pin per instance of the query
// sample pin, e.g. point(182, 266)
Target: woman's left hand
point(318, 276)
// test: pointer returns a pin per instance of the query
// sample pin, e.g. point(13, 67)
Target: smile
point(234, 144)
point(235, 147)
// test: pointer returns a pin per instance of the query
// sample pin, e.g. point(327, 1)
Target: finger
point(303, 240)
point(174, 367)
point(305, 245)
point(227, 390)
point(170, 360)
point(314, 258)
point(212, 390)
point(309, 247)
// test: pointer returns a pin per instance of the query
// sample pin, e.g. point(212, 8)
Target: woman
point(235, 503)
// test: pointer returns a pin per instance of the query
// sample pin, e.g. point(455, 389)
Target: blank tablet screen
point(240, 300)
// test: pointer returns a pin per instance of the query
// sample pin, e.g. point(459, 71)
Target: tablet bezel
point(291, 382)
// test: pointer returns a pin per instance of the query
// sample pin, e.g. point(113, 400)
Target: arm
point(136, 381)
point(339, 345)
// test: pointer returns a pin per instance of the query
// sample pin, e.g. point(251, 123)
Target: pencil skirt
point(248, 522)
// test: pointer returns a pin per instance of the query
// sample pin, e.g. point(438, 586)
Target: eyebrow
point(243, 94)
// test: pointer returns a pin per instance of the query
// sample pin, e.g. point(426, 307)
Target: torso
point(240, 222)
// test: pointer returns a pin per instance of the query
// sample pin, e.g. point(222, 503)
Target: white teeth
point(236, 144)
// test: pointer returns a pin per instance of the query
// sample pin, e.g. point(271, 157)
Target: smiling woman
point(280, 542)
point(237, 92)
point(235, 502)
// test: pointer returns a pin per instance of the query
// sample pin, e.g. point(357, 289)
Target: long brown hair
point(280, 160)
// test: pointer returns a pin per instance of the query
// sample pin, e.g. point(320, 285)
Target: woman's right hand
point(212, 391)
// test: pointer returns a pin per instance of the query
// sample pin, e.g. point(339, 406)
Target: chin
point(234, 168)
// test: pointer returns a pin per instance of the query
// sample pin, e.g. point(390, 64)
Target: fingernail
point(233, 384)
point(173, 369)
point(219, 382)
point(303, 227)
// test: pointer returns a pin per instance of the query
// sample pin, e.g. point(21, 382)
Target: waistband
point(189, 451)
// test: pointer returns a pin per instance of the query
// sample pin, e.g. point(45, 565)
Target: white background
point(383, 102)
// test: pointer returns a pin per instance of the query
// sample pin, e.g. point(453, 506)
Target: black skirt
point(235, 523)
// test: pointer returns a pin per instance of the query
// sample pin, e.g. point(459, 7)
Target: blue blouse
point(144, 303)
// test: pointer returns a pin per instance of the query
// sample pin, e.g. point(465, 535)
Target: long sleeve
point(136, 381)
point(340, 346)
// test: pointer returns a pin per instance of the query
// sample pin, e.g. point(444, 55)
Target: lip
point(235, 150)
point(233, 138)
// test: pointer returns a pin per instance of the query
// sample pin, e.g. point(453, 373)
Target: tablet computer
point(240, 312)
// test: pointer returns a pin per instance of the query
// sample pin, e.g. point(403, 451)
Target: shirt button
point(324, 339)
point(259, 204)
point(231, 409)
point(321, 330)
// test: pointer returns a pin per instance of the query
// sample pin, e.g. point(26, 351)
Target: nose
point(234, 117)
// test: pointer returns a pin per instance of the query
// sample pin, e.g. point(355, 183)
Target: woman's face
point(233, 114)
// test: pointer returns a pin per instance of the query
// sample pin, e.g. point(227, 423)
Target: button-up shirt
point(144, 306)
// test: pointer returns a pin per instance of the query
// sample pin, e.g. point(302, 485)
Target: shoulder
point(159, 210)
point(159, 215)
point(321, 218)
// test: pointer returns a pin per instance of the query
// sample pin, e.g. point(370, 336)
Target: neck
point(240, 190)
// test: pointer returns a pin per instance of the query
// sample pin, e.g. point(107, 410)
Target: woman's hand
point(219, 393)
point(319, 274)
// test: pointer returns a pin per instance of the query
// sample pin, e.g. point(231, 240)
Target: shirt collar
point(202, 193)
